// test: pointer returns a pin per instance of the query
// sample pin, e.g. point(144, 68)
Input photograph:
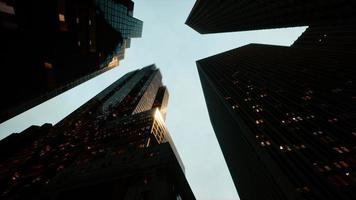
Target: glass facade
point(292, 113)
point(284, 116)
point(215, 16)
point(340, 37)
point(74, 40)
point(120, 17)
point(118, 152)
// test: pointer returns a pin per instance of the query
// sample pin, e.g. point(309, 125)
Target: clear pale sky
point(174, 48)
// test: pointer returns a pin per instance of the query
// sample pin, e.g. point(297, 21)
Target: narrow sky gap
point(174, 48)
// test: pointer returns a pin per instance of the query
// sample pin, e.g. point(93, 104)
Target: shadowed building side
point(251, 177)
point(284, 121)
point(338, 37)
point(49, 47)
point(215, 16)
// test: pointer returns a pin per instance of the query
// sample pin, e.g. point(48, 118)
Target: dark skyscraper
point(48, 47)
point(340, 37)
point(214, 16)
point(116, 146)
point(284, 116)
point(285, 120)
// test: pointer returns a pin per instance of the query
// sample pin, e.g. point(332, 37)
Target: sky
point(174, 47)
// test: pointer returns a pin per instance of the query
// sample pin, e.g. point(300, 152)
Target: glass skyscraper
point(216, 16)
point(116, 146)
point(284, 116)
point(48, 47)
point(284, 119)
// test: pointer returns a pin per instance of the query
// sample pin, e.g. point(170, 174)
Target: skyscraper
point(340, 37)
point(48, 47)
point(284, 115)
point(285, 120)
point(116, 146)
point(214, 16)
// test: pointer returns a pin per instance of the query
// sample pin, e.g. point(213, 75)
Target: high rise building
point(285, 120)
point(284, 115)
point(214, 16)
point(337, 37)
point(116, 146)
point(48, 47)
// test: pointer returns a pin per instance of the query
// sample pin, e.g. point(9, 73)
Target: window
point(48, 65)
point(257, 108)
point(306, 98)
point(259, 121)
point(6, 8)
point(344, 164)
point(333, 120)
point(336, 90)
point(263, 95)
point(345, 149)
point(337, 150)
point(354, 133)
point(235, 107)
point(337, 165)
point(61, 17)
point(341, 149)
point(338, 180)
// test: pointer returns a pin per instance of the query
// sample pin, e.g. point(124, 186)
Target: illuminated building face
point(116, 140)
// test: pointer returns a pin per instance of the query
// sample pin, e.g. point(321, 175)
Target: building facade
point(284, 118)
point(337, 37)
point(215, 16)
point(116, 146)
point(49, 47)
